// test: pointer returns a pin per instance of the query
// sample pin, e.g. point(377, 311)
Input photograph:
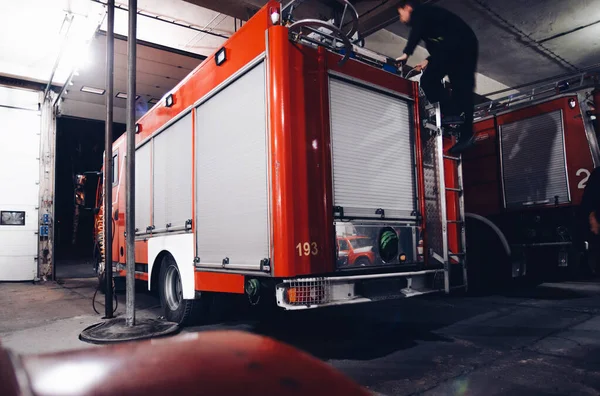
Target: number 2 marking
point(306, 249)
point(583, 182)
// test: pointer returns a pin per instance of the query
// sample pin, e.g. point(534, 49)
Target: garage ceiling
point(158, 71)
point(520, 40)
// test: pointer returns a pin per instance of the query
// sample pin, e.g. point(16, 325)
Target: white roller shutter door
point(231, 175)
point(373, 152)
point(172, 176)
point(143, 178)
point(19, 190)
point(533, 161)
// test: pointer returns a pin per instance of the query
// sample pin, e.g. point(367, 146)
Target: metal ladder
point(453, 218)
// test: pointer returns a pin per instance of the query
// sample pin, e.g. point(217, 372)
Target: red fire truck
point(289, 137)
point(525, 178)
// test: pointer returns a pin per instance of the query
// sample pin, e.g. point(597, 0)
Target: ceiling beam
point(16, 82)
point(241, 9)
point(157, 46)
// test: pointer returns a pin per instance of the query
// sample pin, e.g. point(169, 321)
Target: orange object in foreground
point(209, 363)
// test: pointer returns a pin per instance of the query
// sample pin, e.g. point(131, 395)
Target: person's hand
point(594, 225)
point(401, 59)
point(422, 66)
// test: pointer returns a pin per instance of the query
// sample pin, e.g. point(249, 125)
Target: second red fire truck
point(525, 178)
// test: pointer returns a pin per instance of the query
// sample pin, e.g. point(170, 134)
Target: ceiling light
point(153, 101)
point(123, 95)
point(221, 56)
point(92, 90)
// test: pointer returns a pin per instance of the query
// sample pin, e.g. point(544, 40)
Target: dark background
point(79, 148)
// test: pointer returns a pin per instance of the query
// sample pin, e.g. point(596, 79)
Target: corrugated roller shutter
point(373, 152)
point(533, 160)
point(172, 185)
point(231, 174)
point(142, 187)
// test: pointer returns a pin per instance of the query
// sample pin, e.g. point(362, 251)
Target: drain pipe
point(130, 192)
point(108, 159)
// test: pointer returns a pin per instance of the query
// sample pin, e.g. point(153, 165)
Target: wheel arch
point(487, 222)
point(154, 270)
point(181, 248)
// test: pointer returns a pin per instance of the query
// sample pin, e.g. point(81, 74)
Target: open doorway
point(79, 149)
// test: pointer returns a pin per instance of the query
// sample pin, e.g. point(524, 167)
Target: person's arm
point(594, 226)
point(415, 34)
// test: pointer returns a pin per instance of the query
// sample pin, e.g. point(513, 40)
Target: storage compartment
point(143, 177)
point(534, 167)
point(372, 152)
point(365, 244)
point(172, 183)
point(232, 216)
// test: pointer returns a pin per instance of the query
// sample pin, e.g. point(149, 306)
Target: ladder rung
point(449, 157)
point(454, 189)
point(455, 221)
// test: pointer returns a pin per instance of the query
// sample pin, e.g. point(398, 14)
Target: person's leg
point(462, 78)
point(431, 83)
point(463, 85)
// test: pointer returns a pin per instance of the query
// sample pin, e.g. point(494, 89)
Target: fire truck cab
point(249, 170)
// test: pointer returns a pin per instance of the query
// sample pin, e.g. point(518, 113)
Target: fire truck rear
point(525, 178)
point(294, 166)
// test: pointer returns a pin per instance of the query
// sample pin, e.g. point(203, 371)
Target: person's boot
point(451, 119)
point(465, 142)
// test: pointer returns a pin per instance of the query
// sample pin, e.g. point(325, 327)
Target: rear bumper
point(308, 293)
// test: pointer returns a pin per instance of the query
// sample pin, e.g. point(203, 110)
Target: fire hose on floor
point(101, 264)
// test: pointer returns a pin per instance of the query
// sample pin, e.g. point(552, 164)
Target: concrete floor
point(75, 268)
point(543, 341)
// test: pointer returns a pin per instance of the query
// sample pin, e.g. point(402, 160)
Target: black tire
point(489, 268)
point(175, 308)
point(362, 262)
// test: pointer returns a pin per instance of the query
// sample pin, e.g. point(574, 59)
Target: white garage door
point(19, 192)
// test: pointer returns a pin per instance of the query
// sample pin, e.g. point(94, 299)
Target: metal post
point(130, 204)
point(108, 159)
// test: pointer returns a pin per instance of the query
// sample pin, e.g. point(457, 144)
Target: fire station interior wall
point(231, 174)
point(373, 151)
point(19, 189)
point(533, 160)
point(172, 183)
point(143, 157)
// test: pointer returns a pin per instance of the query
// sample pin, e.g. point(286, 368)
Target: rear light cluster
point(308, 292)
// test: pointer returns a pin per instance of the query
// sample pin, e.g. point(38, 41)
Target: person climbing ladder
point(453, 51)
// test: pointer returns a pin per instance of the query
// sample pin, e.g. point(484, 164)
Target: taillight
point(275, 16)
point(301, 295)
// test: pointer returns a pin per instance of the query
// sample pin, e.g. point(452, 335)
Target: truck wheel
point(362, 262)
point(177, 309)
point(488, 266)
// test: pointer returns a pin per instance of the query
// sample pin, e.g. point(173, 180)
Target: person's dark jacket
point(590, 201)
point(443, 32)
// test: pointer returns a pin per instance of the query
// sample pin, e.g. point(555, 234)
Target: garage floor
point(544, 341)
